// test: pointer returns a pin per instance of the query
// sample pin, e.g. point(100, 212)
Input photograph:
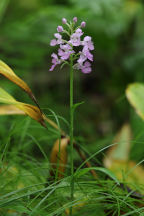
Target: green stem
point(71, 129)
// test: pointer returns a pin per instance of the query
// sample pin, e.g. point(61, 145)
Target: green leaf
point(77, 104)
point(101, 169)
point(135, 95)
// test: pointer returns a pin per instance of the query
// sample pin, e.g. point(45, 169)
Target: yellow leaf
point(58, 157)
point(32, 111)
point(117, 160)
point(135, 96)
point(6, 71)
point(120, 151)
point(129, 172)
point(10, 110)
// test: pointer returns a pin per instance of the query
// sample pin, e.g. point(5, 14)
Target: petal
point(52, 67)
point(79, 32)
point(87, 38)
point(57, 35)
point(54, 56)
point(60, 52)
point(53, 42)
point(87, 64)
point(86, 70)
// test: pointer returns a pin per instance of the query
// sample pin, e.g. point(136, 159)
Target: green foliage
point(27, 27)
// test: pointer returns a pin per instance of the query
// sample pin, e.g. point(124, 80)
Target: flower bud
point(64, 21)
point(59, 28)
point(75, 19)
point(83, 24)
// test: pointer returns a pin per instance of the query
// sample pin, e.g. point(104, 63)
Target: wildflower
point(82, 57)
point(88, 43)
point(55, 61)
point(75, 19)
point(75, 39)
point(86, 67)
point(64, 21)
point(83, 24)
point(65, 51)
point(53, 42)
point(60, 29)
point(79, 32)
point(87, 53)
point(59, 38)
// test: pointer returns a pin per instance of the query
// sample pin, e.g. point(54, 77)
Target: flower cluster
point(81, 58)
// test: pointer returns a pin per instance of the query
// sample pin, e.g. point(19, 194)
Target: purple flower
point(88, 43)
point(75, 19)
point(79, 32)
point(55, 61)
point(60, 29)
point(64, 21)
point(65, 51)
point(63, 55)
point(83, 56)
point(59, 38)
point(86, 67)
point(87, 53)
point(75, 39)
point(53, 42)
point(83, 24)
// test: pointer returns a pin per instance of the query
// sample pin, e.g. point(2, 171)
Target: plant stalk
point(71, 130)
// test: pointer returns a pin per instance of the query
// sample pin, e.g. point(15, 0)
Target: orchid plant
point(76, 52)
point(83, 57)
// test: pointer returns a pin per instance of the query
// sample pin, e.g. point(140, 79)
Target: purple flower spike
point(60, 29)
point(75, 19)
point(64, 21)
point(82, 56)
point(83, 24)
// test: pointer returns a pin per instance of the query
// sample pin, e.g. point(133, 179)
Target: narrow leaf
point(6, 71)
point(101, 169)
point(33, 111)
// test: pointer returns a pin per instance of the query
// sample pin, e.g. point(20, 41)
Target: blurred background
point(117, 29)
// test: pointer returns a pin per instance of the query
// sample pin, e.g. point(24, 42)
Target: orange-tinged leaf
point(6, 71)
point(33, 111)
point(58, 157)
